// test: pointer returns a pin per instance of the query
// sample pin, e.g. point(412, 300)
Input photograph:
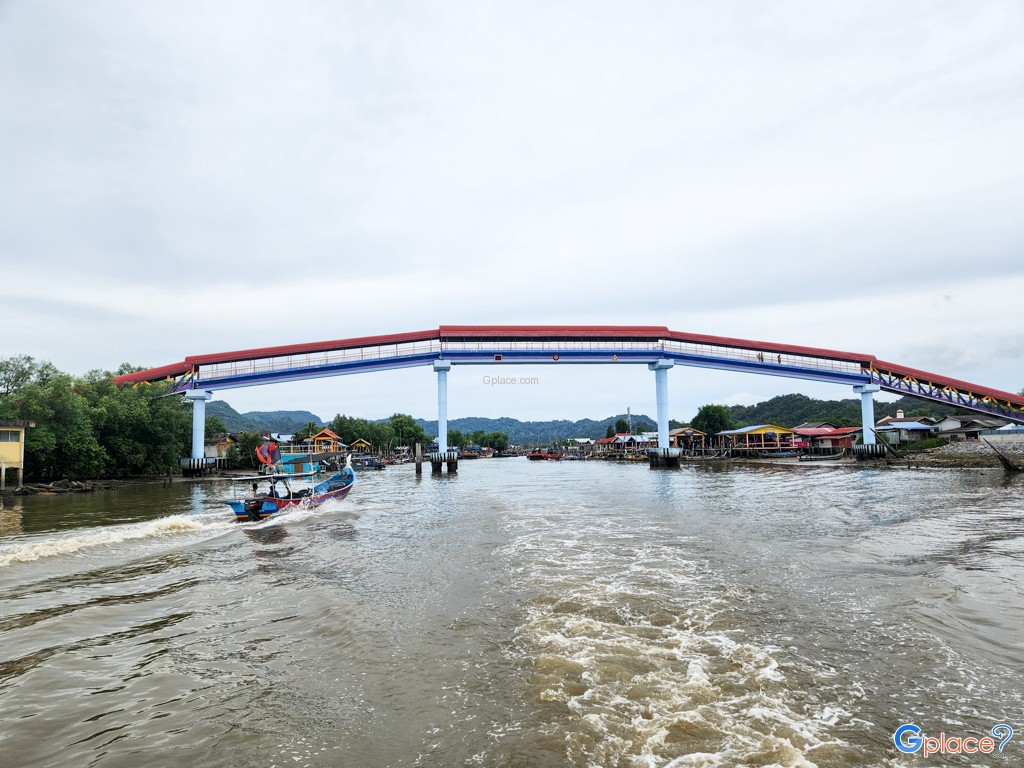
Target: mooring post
point(419, 459)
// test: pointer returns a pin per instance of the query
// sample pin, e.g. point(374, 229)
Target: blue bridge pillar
point(441, 367)
point(664, 456)
point(198, 463)
point(867, 409)
point(198, 398)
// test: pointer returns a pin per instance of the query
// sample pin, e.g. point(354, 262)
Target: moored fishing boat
point(705, 455)
point(821, 456)
point(368, 462)
point(543, 456)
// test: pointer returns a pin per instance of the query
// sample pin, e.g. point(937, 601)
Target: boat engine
point(252, 507)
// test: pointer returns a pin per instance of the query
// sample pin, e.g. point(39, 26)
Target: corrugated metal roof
point(755, 428)
point(820, 431)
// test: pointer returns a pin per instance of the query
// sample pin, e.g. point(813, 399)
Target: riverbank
point(63, 486)
point(967, 455)
point(58, 487)
point(960, 455)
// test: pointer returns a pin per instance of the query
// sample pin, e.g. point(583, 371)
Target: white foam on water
point(34, 548)
point(30, 550)
point(640, 649)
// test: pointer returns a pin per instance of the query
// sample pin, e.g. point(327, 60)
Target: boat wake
point(638, 657)
point(27, 550)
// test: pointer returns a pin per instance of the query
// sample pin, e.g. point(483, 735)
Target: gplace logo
point(908, 739)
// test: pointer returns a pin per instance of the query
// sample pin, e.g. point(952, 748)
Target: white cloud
point(205, 177)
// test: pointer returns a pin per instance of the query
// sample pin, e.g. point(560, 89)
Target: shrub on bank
point(924, 445)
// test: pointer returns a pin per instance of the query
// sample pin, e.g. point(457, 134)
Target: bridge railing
point(306, 361)
point(759, 358)
point(689, 349)
point(331, 359)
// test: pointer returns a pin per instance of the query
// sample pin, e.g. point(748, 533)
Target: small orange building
point(325, 440)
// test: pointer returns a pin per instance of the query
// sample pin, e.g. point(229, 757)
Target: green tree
point(16, 372)
point(242, 454)
point(711, 419)
point(215, 426)
point(350, 429)
point(63, 444)
point(87, 426)
point(610, 432)
point(141, 431)
point(407, 431)
point(496, 440)
point(621, 426)
point(457, 439)
point(310, 429)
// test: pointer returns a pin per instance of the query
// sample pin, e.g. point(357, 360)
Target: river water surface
point(521, 614)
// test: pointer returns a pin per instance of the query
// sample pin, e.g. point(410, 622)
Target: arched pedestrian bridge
point(657, 347)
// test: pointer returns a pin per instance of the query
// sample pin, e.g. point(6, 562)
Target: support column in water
point(441, 367)
point(664, 456)
point(198, 398)
point(660, 369)
point(867, 409)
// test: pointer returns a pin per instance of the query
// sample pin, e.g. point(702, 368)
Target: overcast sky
point(192, 177)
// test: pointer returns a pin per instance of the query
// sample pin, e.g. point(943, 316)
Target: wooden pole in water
point(1008, 465)
point(419, 459)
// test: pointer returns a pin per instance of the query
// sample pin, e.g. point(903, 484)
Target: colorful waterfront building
point(359, 445)
point(325, 440)
point(760, 437)
point(687, 438)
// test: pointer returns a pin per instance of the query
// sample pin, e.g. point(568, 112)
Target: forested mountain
point(285, 422)
point(519, 432)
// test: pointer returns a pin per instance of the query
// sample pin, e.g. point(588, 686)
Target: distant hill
point(285, 422)
point(784, 411)
point(791, 410)
point(540, 432)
